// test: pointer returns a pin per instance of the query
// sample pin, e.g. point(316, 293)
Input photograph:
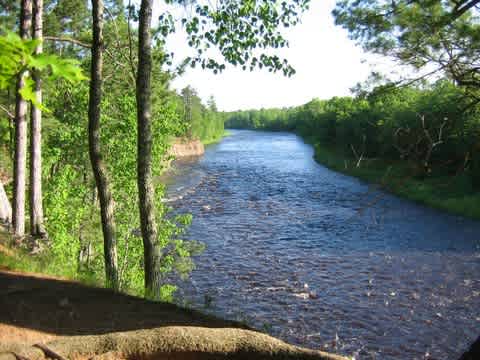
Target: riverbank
point(320, 259)
point(217, 139)
point(60, 314)
point(185, 147)
point(453, 194)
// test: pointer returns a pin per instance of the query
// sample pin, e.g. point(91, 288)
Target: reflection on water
point(299, 251)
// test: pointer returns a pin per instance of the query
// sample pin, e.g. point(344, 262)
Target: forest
point(424, 135)
point(416, 135)
point(102, 120)
point(88, 115)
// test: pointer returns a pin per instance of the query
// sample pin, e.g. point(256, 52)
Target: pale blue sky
point(327, 65)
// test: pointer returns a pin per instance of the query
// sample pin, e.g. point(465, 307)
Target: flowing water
point(324, 260)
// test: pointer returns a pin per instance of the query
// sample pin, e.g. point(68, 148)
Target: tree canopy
point(436, 36)
point(242, 32)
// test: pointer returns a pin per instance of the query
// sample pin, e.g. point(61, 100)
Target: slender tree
point(5, 207)
point(250, 24)
point(146, 193)
point(36, 209)
point(20, 158)
point(96, 158)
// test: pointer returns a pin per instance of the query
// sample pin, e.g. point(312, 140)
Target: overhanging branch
point(68, 40)
point(6, 111)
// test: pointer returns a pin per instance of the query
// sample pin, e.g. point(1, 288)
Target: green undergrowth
point(453, 194)
point(16, 258)
point(5, 162)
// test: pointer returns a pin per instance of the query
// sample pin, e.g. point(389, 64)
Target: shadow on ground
point(44, 318)
point(70, 308)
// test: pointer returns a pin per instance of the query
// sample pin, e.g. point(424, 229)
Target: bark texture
point(36, 209)
point(144, 153)
point(20, 158)
point(96, 158)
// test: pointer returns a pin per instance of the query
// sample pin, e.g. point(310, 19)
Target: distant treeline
point(202, 122)
point(435, 129)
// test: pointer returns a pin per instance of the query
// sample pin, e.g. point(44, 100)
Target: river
point(324, 260)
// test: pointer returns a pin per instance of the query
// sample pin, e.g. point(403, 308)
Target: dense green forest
point(87, 86)
point(69, 197)
point(202, 122)
point(426, 134)
point(87, 117)
point(417, 134)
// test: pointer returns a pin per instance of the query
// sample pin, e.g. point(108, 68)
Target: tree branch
point(9, 114)
point(67, 39)
point(130, 42)
point(462, 8)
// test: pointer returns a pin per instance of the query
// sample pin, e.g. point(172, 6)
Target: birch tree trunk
point(20, 158)
point(5, 208)
point(96, 158)
point(144, 154)
point(36, 209)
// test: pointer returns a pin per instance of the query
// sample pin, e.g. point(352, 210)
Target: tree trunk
point(36, 209)
point(20, 159)
point(96, 158)
point(144, 154)
point(5, 208)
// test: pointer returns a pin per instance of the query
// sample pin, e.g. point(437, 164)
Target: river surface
point(324, 260)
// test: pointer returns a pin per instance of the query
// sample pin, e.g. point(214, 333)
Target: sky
point(327, 64)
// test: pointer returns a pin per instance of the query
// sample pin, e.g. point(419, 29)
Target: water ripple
point(294, 249)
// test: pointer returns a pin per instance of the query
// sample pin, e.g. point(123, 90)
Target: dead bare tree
point(419, 145)
point(360, 156)
point(432, 144)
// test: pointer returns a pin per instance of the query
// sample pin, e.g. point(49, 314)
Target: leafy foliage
point(440, 36)
point(70, 198)
point(241, 32)
point(370, 125)
point(18, 56)
point(201, 122)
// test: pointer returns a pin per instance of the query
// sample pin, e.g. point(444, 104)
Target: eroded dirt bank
point(186, 148)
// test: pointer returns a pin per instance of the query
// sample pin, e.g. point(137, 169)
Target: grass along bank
point(19, 257)
point(425, 139)
point(216, 139)
point(453, 194)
